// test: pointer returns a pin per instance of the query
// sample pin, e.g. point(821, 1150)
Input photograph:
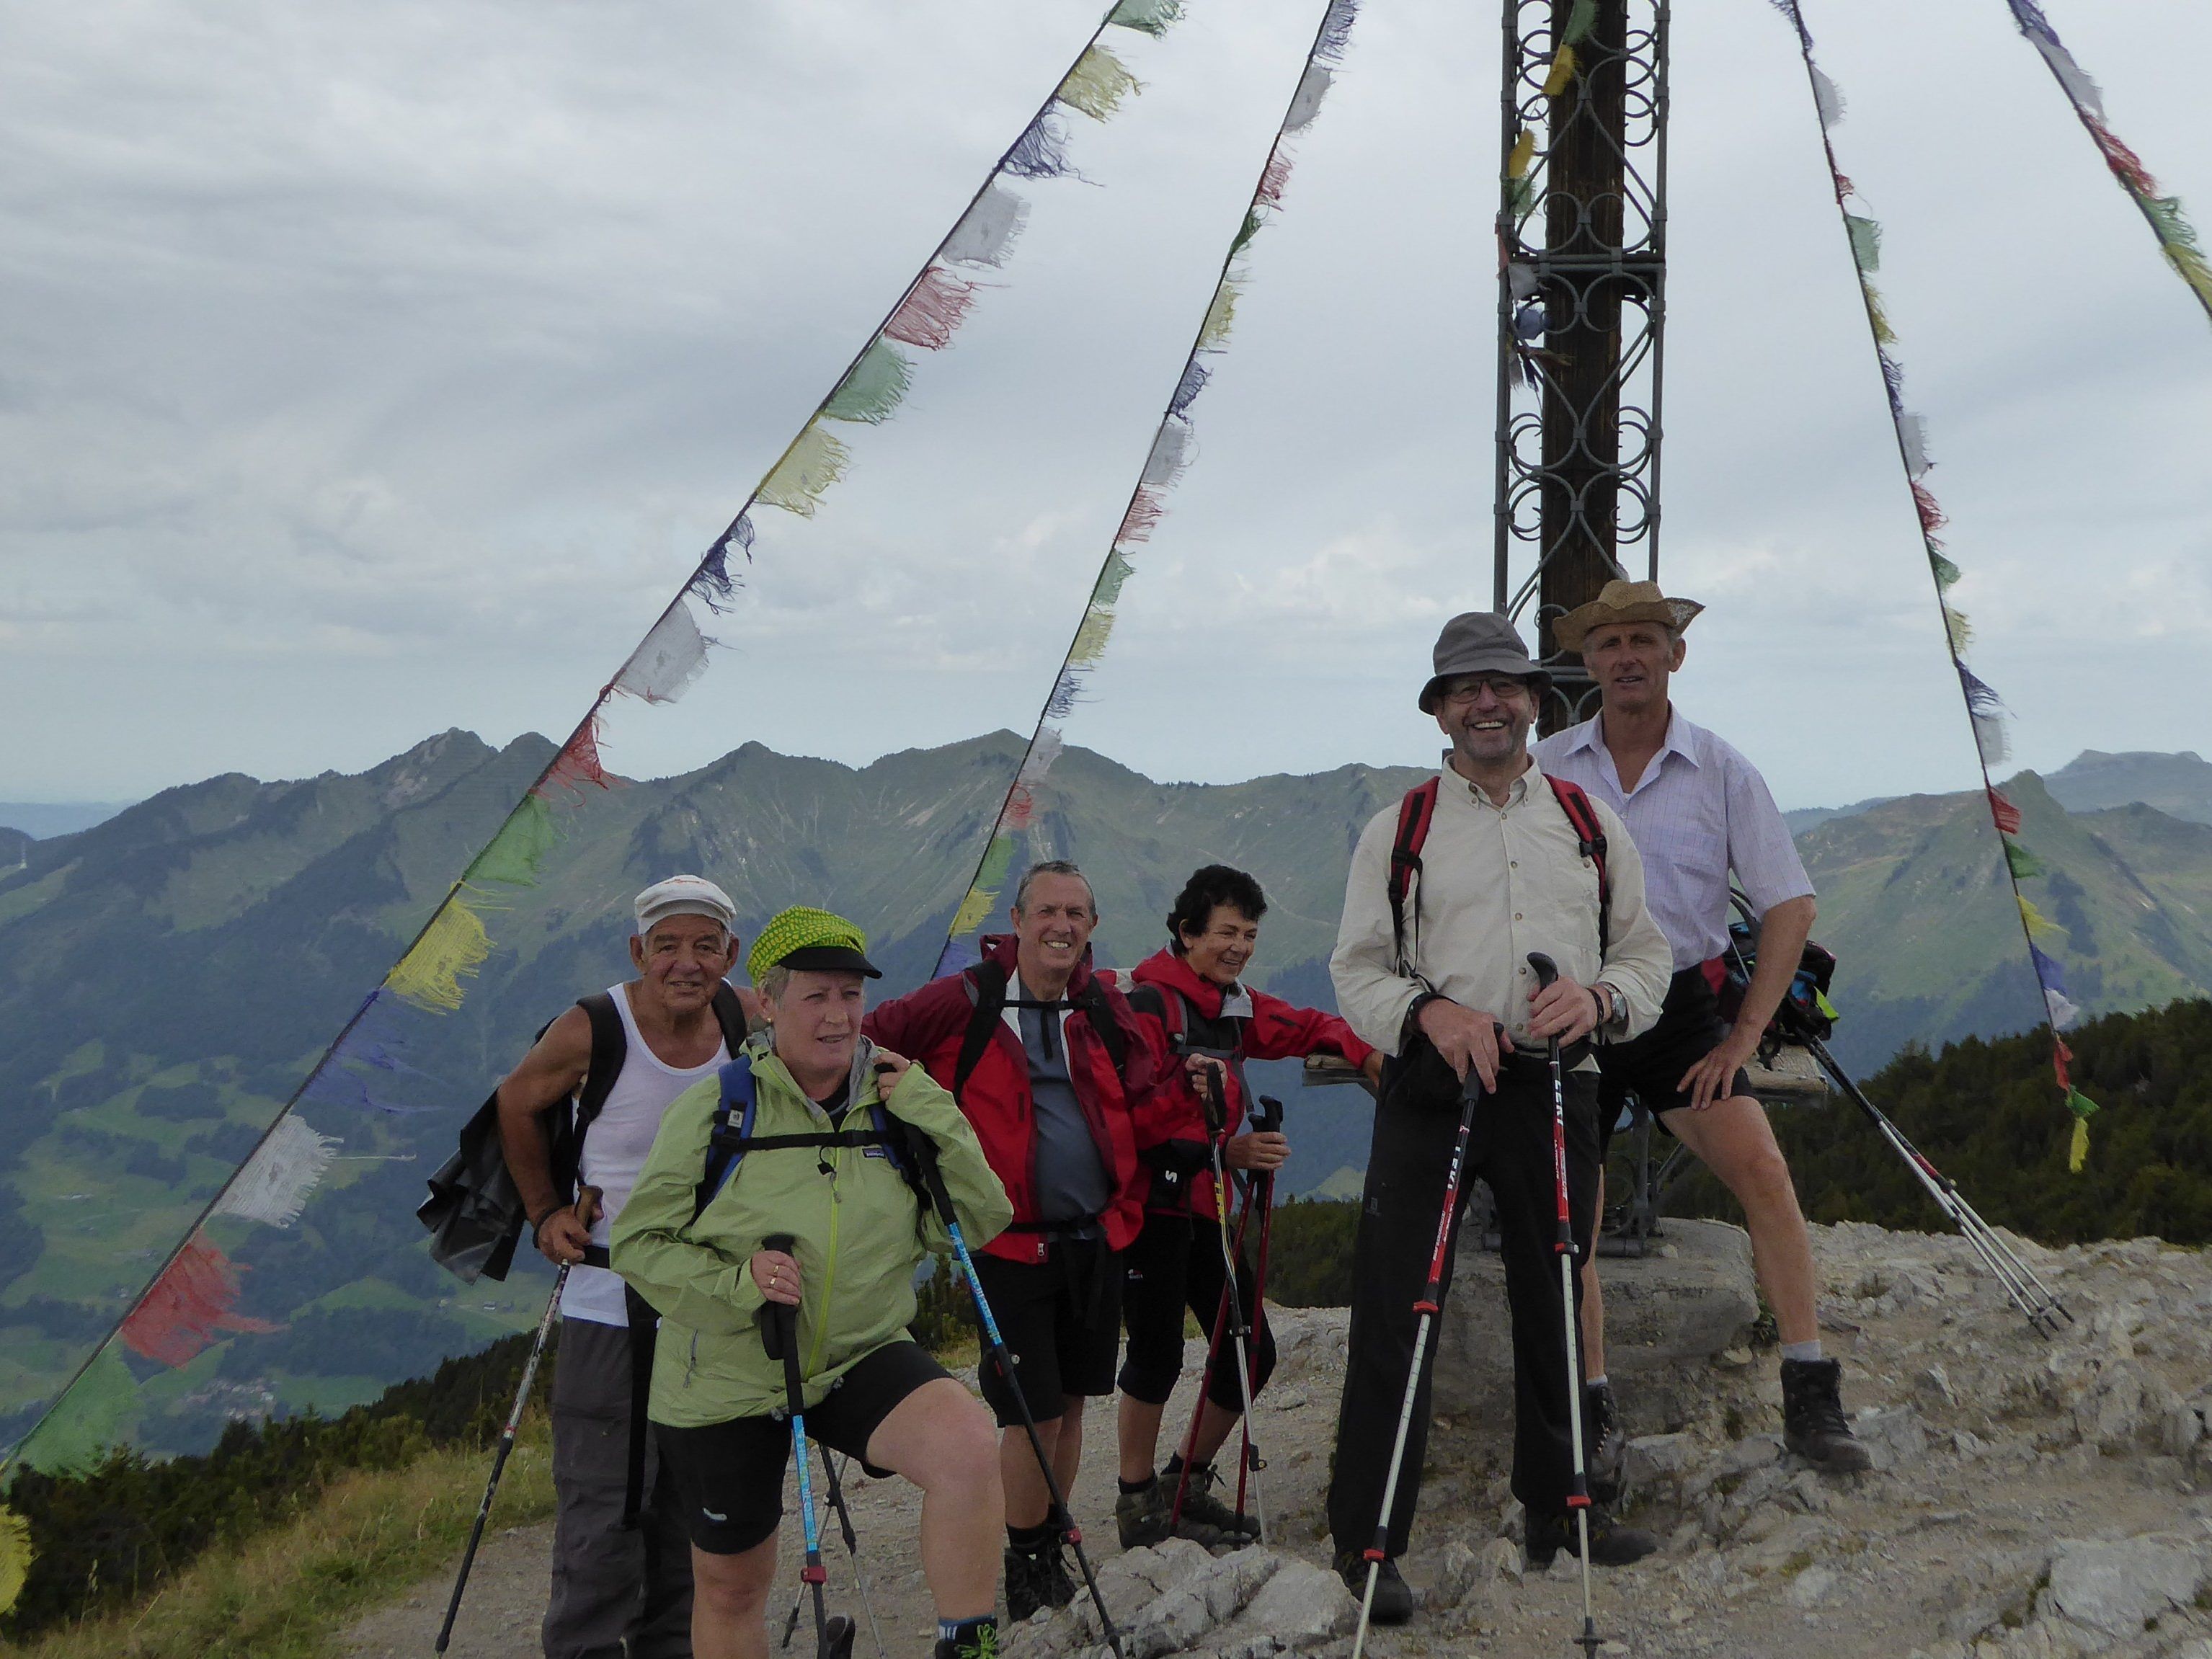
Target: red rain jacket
point(930, 1025)
point(1274, 1029)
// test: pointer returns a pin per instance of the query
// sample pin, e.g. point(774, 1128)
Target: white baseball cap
point(683, 895)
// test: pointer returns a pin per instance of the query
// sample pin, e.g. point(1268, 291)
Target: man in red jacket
point(1049, 1064)
point(1193, 989)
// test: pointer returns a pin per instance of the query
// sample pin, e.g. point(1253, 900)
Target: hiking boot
point(1606, 1448)
point(1202, 1507)
point(1393, 1596)
point(1036, 1578)
point(1142, 1518)
point(1611, 1543)
point(1813, 1421)
point(981, 1643)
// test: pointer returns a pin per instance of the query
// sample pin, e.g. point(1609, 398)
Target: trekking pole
point(1426, 1308)
point(924, 1154)
point(499, 1458)
point(2043, 1311)
point(837, 1507)
point(833, 1637)
point(1578, 1500)
point(1267, 1119)
point(1240, 1325)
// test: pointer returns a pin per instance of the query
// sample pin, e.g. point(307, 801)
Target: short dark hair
point(1210, 885)
point(1050, 867)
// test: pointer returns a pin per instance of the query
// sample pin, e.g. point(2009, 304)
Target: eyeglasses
point(1504, 687)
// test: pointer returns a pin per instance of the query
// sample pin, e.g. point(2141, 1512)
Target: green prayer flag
point(521, 847)
point(874, 387)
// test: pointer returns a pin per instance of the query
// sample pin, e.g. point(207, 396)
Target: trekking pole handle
point(1546, 970)
point(1267, 1117)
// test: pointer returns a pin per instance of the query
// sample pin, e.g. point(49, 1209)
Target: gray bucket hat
point(1479, 642)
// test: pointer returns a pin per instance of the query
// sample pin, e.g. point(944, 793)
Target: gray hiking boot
point(1813, 1421)
point(1200, 1506)
point(1143, 1517)
point(1607, 1447)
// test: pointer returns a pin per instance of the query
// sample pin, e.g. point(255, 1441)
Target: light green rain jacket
point(858, 1248)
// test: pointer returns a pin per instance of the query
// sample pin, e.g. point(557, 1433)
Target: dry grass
point(282, 1596)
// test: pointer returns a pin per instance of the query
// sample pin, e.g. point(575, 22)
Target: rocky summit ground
point(2032, 1496)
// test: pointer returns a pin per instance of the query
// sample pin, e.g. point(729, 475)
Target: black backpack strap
point(1091, 1003)
point(1415, 814)
point(1590, 837)
point(1164, 1005)
point(988, 989)
point(609, 1049)
point(729, 1015)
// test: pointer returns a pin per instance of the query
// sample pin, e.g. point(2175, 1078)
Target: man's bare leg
point(1029, 1500)
point(1733, 1138)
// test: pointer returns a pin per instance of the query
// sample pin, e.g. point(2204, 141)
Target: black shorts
point(1650, 1066)
point(1061, 1320)
point(1175, 1264)
point(729, 1476)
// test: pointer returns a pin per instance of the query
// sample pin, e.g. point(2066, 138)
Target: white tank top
point(615, 1147)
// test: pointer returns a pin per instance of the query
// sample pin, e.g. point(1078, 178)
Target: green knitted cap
point(801, 927)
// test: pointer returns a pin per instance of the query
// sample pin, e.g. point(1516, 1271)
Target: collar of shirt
point(1680, 739)
point(1514, 795)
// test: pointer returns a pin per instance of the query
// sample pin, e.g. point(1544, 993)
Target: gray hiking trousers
point(616, 1592)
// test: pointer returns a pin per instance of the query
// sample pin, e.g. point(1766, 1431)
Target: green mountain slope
point(167, 977)
point(1915, 903)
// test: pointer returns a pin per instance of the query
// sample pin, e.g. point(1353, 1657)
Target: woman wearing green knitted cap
point(693, 1242)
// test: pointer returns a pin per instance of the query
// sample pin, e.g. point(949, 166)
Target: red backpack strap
point(1582, 816)
point(1415, 814)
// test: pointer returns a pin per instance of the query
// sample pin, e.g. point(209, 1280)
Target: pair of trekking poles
point(1231, 1318)
point(833, 1637)
point(1430, 1306)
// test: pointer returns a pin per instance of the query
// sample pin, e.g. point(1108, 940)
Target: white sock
point(1598, 1382)
point(1801, 1351)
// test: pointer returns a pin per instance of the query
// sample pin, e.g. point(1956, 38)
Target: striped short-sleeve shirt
point(1699, 811)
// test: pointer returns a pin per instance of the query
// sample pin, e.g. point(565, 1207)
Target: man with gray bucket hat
point(1450, 892)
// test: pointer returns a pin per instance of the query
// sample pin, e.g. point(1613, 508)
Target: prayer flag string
point(1174, 447)
point(1984, 708)
point(189, 1301)
point(2176, 240)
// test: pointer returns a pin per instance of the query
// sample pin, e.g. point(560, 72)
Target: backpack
point(727, 1148)
point(988, 989)
point(474, 1213)
point(1419, 810)
point(1804, 1011)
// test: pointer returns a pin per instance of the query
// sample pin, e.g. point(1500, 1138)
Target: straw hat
point(1623, 602)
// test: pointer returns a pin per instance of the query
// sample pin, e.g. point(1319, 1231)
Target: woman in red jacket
point(1193, 989)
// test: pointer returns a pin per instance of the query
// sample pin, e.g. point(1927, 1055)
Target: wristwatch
point(1613, 1005)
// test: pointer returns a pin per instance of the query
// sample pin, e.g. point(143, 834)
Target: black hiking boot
point(1611, 1543)
point(1143, 1518)
point(1201, 1507)
point(1393, 1596)
point(1813, 1421)
point(1036, 1577)
point(1605, 1447)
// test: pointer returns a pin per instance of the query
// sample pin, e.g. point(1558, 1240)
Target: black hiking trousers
point(1510, 1148)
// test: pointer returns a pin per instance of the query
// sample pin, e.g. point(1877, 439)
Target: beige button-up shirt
point(1496, 883)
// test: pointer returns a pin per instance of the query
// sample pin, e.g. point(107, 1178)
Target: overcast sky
point(370, 370)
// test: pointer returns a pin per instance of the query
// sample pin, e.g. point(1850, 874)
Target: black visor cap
point(830, 959)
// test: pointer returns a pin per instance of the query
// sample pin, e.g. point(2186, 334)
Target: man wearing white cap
point(577, 1118)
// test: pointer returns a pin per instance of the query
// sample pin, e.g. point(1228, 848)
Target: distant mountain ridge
point(167, 976)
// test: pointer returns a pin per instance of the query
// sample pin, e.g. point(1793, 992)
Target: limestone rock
point(2113, 1585)
point(1661, 1311)
point(1892, 1436)
point(1300, 1606)
point(1660, 1462)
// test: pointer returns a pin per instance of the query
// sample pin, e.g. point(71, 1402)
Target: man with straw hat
point(1698, 811)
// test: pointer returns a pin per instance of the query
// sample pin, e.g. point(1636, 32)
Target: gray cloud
point(370, 371)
